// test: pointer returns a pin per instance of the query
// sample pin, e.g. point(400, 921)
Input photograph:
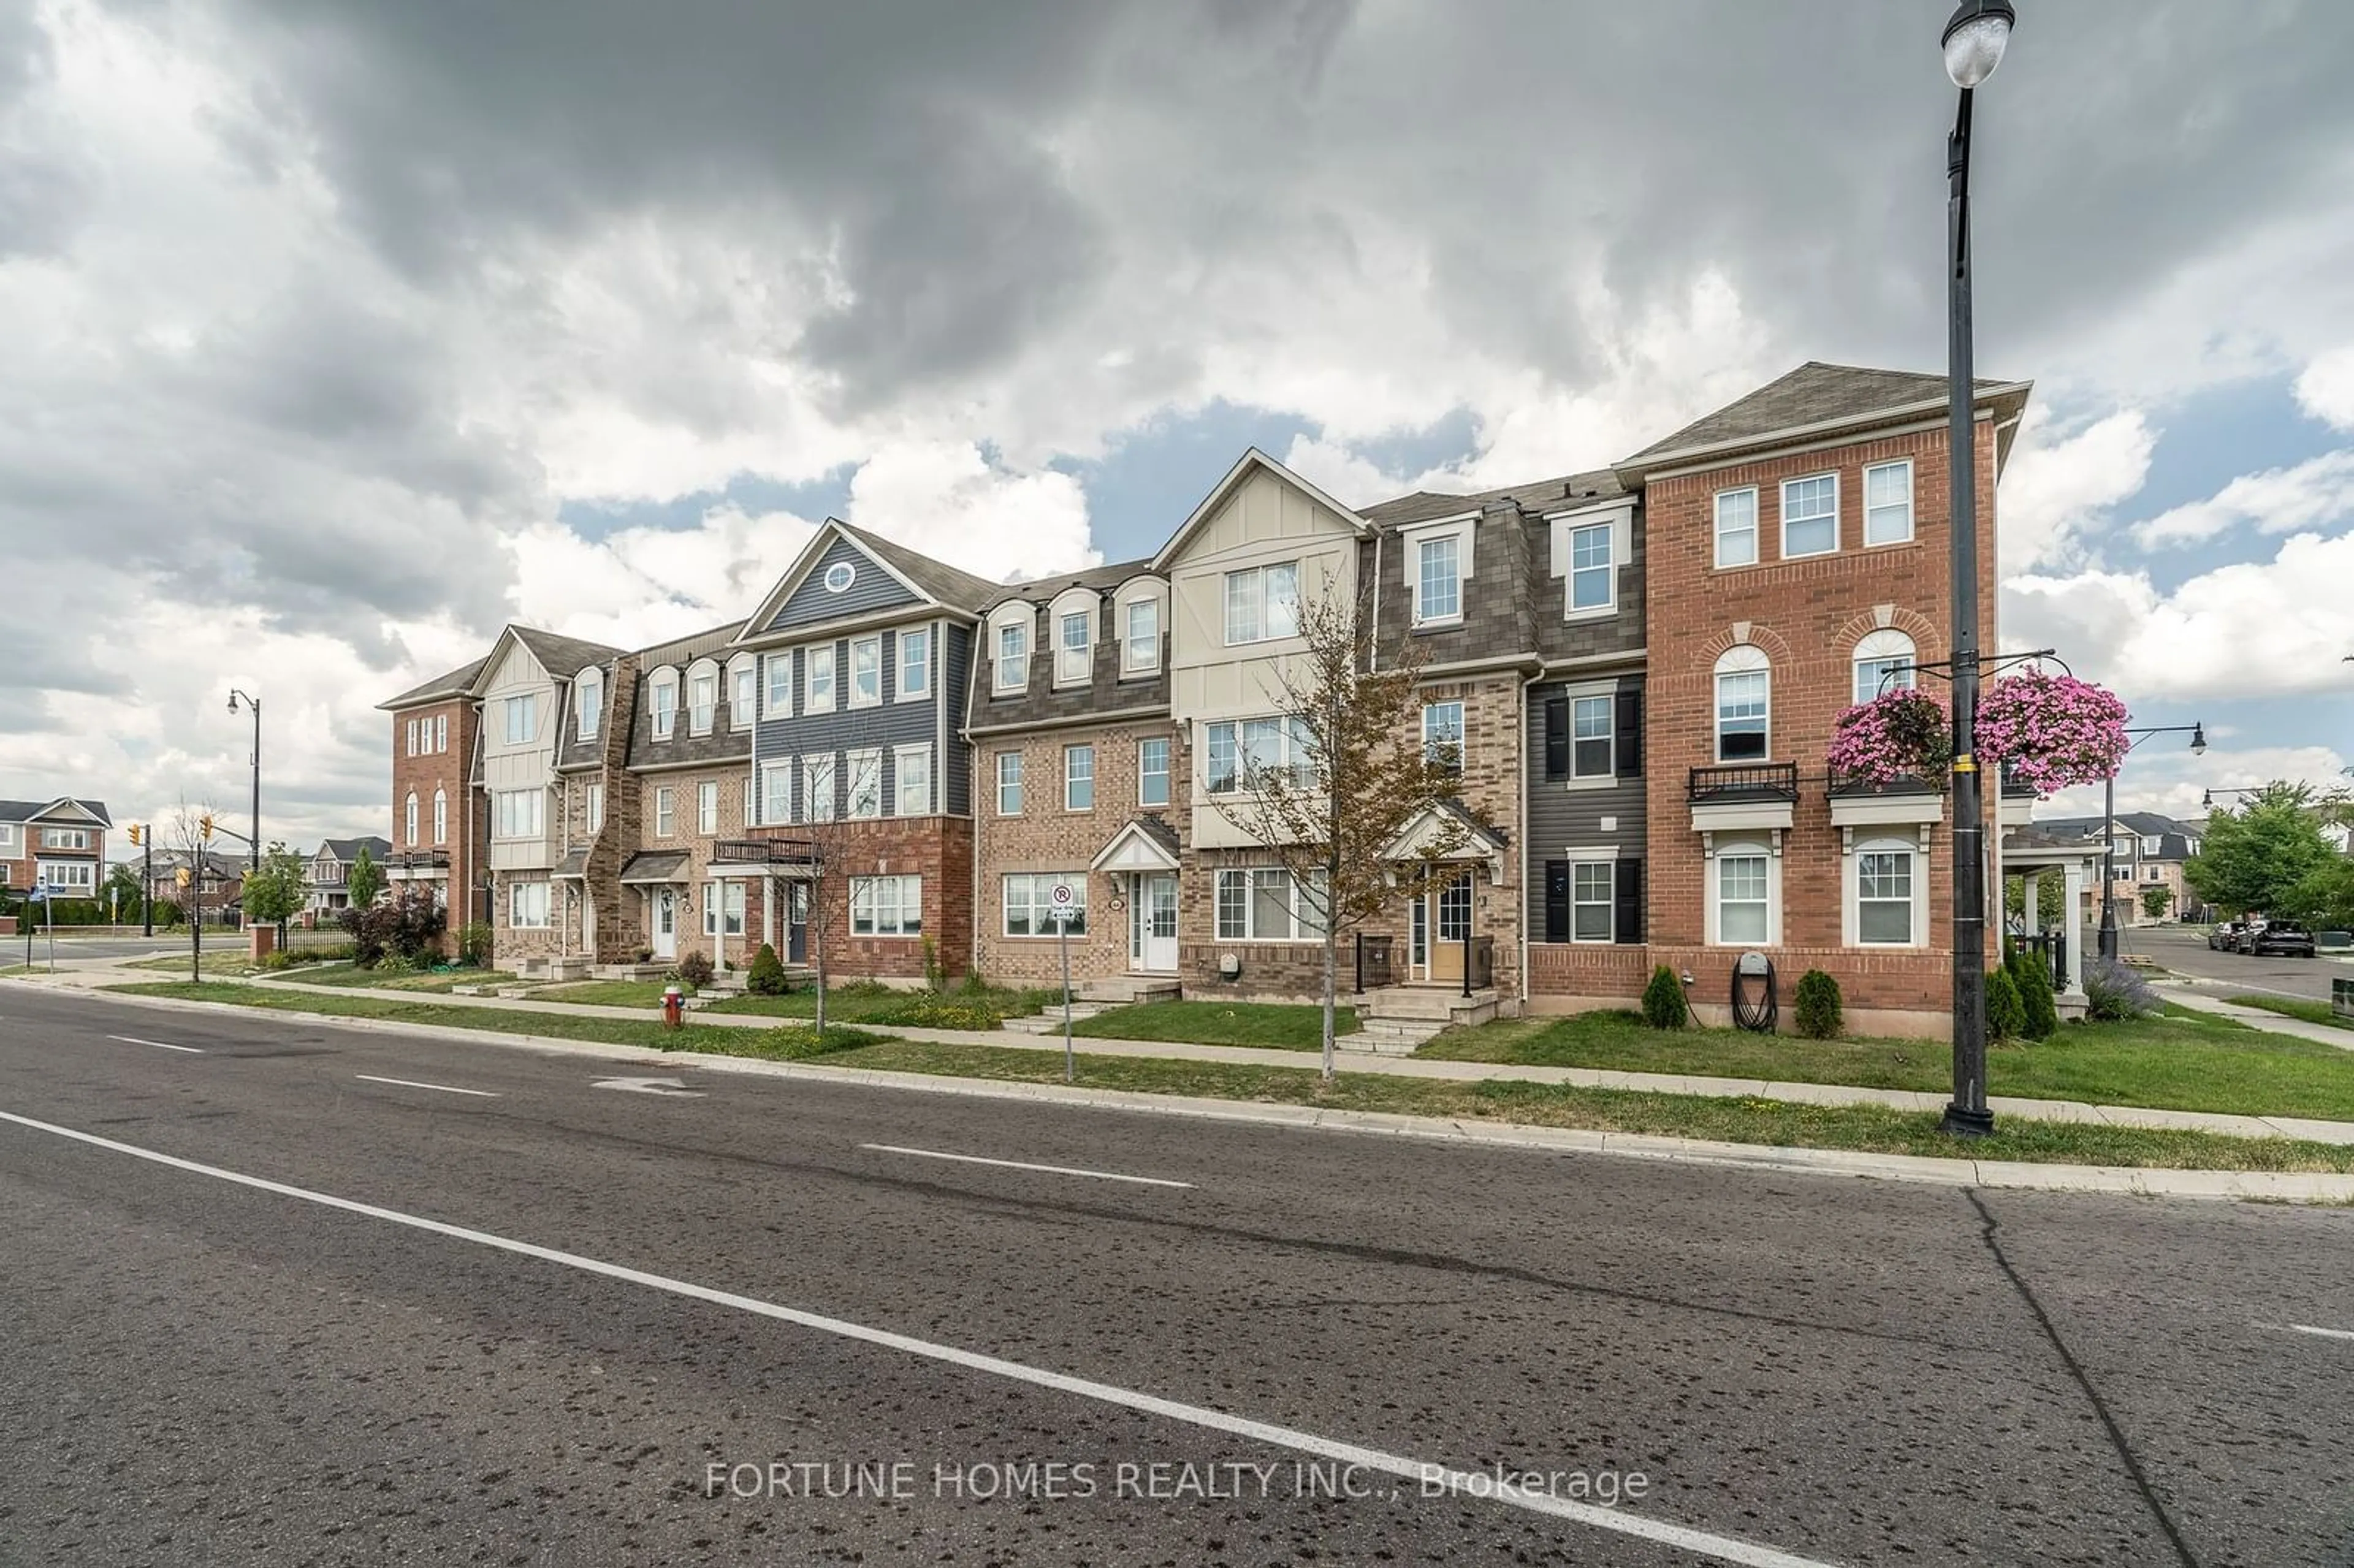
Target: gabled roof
point(935, 582)
point(348, 850)
point(65, 808)
point(1570, 490)
point(561, 657)
point(712, 643)
point(457, 682)
point(1814, 398)
point(1143, 841)
point(1252, 462)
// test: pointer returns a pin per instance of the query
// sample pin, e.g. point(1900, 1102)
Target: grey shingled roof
point(563, 657)
point(347, 849)
point(958, 589)
point(451, 684)
point(1814, 394)
point(1103, 579)
point(25, 811)
point(1537, 499)
point(685, 651)
point(656, 866)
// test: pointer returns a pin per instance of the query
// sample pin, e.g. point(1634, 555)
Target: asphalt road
point(2185, 952)
point(12, 949)
point(630, 1289)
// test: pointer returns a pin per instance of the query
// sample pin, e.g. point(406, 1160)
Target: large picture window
point(886, 906)
point(1263, 603)
point(1241, 750)
point(1438, 579)
point(1028, 895)
point(517, 813)
point(1262, 904)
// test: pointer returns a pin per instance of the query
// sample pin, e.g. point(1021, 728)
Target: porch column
point(2074, 926)
point(2031, 903)
point(769, 913)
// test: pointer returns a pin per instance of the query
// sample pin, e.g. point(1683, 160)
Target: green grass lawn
point(783, 1043)
point(222, 962)
point(2181, 1061)
point(1279, 1026)
point(606, 993)
point(392, 979)
point(886, 1008)
point(2295, 1007)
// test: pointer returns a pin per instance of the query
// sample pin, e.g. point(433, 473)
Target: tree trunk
point(1331, 971)
point(817, 945)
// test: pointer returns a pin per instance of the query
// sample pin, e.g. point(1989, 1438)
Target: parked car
point(2243, 940)
point(2224, 934)
point(2281, 939)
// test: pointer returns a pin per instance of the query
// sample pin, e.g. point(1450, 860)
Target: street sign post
point(38, 894)
point(1063, 908)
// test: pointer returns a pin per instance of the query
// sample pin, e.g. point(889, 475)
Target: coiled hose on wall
point(1755, 1004)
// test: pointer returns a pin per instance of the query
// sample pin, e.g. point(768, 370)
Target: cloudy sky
point(337, 333)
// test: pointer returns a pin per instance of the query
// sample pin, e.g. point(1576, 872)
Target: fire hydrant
point(674, 1006)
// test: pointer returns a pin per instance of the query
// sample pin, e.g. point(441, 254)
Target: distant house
point(331, 870)
point(2149, 851)
point(60, 842)
point(218, 892)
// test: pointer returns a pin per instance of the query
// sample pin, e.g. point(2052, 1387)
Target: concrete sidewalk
point(2253, 1017)
point(1366, 1062)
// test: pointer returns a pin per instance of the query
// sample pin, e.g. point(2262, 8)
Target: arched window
point(441, 816)
point(1743, 704)
point(588, 698)
point(702, 696)
point(409, 820)
point(662, 698)
point(743, 691)
point(1884, 662)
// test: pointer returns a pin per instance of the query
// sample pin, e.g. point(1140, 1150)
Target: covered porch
point(2036, 859)
point(1141, 859)
point(775, 875)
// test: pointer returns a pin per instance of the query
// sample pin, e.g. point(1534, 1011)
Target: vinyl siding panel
point(1562, 818)
point(872, 589)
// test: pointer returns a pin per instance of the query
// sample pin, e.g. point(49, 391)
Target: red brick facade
point(442, 735)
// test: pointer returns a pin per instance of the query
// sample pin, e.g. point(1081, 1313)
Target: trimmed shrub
point(1819, 1015)
point(2113, 993)
point(1663, 1001)
point(403, 928)
point(2032, 972)
point(2006, 1014)
point(767, 976)
point(695, 969)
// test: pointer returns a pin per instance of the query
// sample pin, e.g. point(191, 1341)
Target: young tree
point(1360, 774)
point(2251, 857)
point(123, 895)
point(275, 893)
point(364, 881)
point(2154, 901)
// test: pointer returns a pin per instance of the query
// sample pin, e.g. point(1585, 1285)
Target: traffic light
point(205, 824)
point(138, 835)
point(181, 877)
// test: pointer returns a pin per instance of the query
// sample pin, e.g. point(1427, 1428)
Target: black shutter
point(1629, 902)
point(1556, 901)
point(1631, 734)
point(1556, 737)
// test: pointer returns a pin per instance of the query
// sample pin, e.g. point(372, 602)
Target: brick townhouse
point(1637, 669)
point(329, 873)
point(440, 820)
point(59, 843)
point(2147, 851)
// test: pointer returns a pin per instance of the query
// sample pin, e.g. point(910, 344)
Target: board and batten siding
point(529, 765)
point(955, 768)
point(1582, 815)
point(872, 589)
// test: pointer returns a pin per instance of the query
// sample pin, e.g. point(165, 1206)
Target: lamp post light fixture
point(253, 845)
point(2198, 733)
point(2207, 797)
point(1974, 41)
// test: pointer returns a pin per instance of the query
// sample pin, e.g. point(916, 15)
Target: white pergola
point(2031, 856)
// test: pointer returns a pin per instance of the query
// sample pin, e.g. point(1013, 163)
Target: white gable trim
point(754, 627)
point(1133, 849)
point(1250, 462)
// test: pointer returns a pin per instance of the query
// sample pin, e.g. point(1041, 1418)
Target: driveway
point(2185, 952)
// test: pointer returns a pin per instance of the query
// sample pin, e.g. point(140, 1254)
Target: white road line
point(159, 1045)
point(2322, 1333)
point(1023, 1165)
point(1457, 1483)
point(413, 1083)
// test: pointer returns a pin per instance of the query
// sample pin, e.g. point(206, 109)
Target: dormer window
point(743, 691)
point(1074, 648)
point(1437, 580)
point(1140, 653)
point(588, 698)
point(663, 700)
point(1012, 671)
point(702, 699)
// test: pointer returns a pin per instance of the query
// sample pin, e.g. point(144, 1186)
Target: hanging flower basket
point(2052, 731)
point(1897, 735)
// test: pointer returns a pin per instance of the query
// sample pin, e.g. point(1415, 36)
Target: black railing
point(2052, 946)
point(1372, 962)
point(1479, 964)
point(1733, 782)
point(2013, 786)
point(765, 852)
point(419, 860)
point(1849, 784)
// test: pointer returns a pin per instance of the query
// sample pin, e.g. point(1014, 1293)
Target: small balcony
point(783, 852)
point(1742, 784)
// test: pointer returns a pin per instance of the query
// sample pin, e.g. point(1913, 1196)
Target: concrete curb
point(2276, 1186)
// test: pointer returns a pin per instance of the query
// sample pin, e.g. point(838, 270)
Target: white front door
point(1152, 924)
point(665, 923)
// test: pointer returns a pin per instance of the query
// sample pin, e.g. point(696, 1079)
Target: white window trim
point(1038, 886)
point(1021, 783)
point(899, 756)
point(855, 698)
point(1607, 695)
point(706, 806)
point(863, 759)
point(1288, 754)
point(769, 664)
point(1852, 891)
point(702, 717)
point(900, 905)
point(1731, 845)
point(664, 723)
point(665, 814)
point(1299, 906)
point(1069, 753)
point(1167, 774)
point(1461, 530)
point(1879, 647)
point(407, 822)
point(1741, 659)
point(1023, 623)
point(1717, 528)
point(589, 705)
point(1911, 519)
point(1462, 734)
point(440, 817)
point(811, 659)
point(1299, 597)
point(541, 903)
point(741, 715)
point(1125, 610)
point(900, 692)
point(594, 808)
point(527, 703)
point(822, 766)
point(771, 769)
point(1084, 652)
point(1788, 554)
point(1609, 902)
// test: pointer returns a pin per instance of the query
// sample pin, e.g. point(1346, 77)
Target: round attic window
point(840, 575)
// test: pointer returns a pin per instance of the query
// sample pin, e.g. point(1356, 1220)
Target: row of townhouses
point(1639, 667)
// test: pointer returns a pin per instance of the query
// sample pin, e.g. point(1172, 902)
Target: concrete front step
point(1120, 988)
point(1051, 1021)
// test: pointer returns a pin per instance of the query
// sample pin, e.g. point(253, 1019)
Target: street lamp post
point(1974, 41)
point(2198, 733)
point(253, 845)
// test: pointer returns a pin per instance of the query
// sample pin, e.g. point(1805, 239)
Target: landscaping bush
point(2006, 1014)
point(767, 977)
point(403, 928)
point(2032, 972)
point(474, 944)
point(1818, 1010)
point(932, 975)
point(2113, 993)
point(696, 969)
point(1663, 1001)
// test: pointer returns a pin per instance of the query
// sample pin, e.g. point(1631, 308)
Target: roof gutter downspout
point(1373, 641)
